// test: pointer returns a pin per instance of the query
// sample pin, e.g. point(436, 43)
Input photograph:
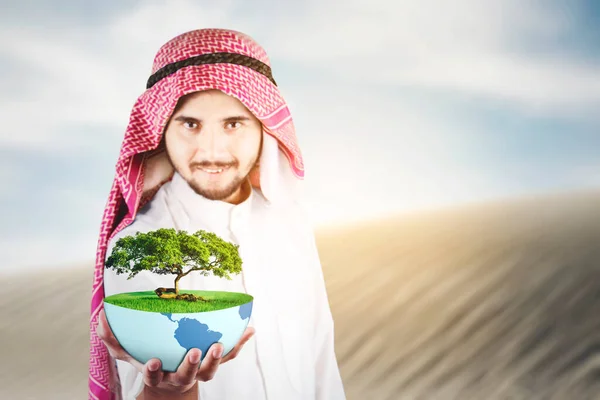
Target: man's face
point(213, 142)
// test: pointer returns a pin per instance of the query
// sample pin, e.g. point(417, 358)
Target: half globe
point(149, 327)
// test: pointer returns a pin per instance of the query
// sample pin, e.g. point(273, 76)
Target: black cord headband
point(212, 58)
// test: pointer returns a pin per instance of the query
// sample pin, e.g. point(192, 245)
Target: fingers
point(186, 373)
point(211, 362)
point(112, 344)
point(191, 370)
point(152, 372)
point(248, 333)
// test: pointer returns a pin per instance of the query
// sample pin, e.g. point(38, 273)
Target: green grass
point(149, 301)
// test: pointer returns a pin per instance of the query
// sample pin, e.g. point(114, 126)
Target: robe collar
point(210, 212)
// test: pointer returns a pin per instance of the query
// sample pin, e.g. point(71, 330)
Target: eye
point(234, 124)
point(190, 124)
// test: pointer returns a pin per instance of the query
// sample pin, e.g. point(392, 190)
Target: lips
point(213, 170)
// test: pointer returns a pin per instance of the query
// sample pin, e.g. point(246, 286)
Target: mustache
point(216, 164)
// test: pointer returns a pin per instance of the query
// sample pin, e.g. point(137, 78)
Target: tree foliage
point(169, 251)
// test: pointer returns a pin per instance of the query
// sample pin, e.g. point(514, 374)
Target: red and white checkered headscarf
point(194, 61)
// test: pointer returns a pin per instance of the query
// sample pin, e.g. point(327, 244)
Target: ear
point(255, 176)
point(157, 170)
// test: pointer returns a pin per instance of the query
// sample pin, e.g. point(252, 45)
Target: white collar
point(200, 208)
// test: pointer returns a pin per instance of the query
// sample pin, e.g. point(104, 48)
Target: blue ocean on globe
point(168, 337)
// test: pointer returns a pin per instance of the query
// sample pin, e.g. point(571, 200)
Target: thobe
point(291, 356)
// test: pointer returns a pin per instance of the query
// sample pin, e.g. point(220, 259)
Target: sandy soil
point(495, 301)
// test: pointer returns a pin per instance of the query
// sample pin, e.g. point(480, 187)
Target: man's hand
point(189, 372)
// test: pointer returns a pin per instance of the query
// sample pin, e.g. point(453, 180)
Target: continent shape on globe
point(245, 310)
point(191, 333)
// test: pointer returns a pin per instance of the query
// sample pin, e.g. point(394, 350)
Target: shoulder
point(285, 210)
point(292, 222)
point(299, 219)
point(153, 215)
point(156, 211)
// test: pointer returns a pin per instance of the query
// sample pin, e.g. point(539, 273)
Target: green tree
point(171, 252)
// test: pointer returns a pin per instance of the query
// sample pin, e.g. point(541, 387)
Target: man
point(211, 145)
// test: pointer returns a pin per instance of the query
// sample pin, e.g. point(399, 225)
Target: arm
point(328, 380)
point(152, 394)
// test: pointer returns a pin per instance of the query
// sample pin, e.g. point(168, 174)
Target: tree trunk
point(177, 283)
point(173, 293)
point(165, 293)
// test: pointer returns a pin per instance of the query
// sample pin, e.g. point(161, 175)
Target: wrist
point(153, 393)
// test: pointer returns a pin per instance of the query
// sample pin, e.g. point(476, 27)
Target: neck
point(241, 194)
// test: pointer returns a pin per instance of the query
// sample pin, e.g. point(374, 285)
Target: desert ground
point(490, 301)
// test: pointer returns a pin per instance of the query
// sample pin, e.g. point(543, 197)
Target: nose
point(212, 143)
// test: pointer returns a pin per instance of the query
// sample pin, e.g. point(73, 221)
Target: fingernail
point(153, 366)
point(194, 357)
point(218, 352)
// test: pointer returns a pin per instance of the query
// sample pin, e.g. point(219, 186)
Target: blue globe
point(169, 336)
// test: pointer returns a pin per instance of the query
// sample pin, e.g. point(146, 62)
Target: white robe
point(291, 356)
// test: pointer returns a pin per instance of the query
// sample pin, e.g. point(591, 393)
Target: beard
point(217, 192)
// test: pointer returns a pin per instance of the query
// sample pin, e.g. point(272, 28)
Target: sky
point(398, 105)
